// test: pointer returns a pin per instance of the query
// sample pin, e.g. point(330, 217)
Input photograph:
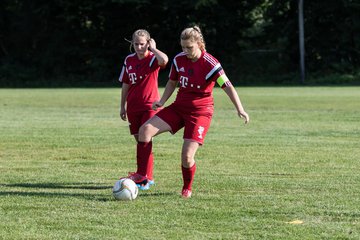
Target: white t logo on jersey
point(200, 131)
point(132, 77)
point(184, 81)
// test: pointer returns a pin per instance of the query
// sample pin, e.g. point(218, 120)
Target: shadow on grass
point(46, 194)
point(84, 186)
point(38, 186)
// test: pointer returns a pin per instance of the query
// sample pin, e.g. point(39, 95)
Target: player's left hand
point(244, 115)
point(152, 44)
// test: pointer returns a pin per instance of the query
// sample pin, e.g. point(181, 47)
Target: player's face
point(141, 46)
point(191, 49)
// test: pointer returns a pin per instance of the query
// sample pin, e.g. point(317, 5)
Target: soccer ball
point(125, 189)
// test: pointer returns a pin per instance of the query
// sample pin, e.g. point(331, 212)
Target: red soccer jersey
point(142, 77)
point(197, 79)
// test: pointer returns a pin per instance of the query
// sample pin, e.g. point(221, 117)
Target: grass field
point(292, 173)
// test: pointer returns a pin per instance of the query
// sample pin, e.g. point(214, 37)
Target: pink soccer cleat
point(186, 193)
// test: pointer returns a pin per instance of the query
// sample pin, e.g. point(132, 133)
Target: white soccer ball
point(125, 189)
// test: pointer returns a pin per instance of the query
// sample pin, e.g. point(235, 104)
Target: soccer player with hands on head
point(196, 72)
point(139, 77)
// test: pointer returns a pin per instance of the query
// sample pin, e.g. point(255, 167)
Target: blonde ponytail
point(194, 33)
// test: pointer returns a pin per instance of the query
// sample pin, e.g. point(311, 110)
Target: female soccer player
point(196, 72)
point(139, 77)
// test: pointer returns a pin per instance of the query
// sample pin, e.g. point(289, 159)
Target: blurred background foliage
point(78, 43)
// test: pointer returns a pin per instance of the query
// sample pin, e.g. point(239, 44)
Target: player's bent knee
point(145, 133)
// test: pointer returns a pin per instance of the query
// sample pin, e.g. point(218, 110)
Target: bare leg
point(188, 153)
point(151, 128)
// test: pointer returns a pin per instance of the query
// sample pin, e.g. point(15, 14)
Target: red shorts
point(196, 123)
point(136, 119)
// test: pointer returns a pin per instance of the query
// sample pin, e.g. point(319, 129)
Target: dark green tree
point(77, 43)
point(331, 34)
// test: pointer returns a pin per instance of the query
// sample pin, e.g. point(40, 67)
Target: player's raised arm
point(161, 57)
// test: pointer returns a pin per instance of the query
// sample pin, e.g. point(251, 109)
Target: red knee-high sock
point(150, 167)
point(188, 176)
point(143, 157)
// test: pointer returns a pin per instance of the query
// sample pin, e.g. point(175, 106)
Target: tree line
point(82, 42)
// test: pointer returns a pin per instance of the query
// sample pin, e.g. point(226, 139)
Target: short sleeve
point(173, 75)
point(124, 77)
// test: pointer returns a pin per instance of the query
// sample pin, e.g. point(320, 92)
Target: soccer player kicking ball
point(196, 72)
point(139, 77)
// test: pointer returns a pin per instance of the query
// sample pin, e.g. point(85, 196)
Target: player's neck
point(141, 56)
point(197, 56)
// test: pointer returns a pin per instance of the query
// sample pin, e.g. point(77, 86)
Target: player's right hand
point(156, 105)
point(123, 114)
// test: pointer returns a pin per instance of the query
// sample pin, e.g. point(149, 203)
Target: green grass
point(61, 150)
